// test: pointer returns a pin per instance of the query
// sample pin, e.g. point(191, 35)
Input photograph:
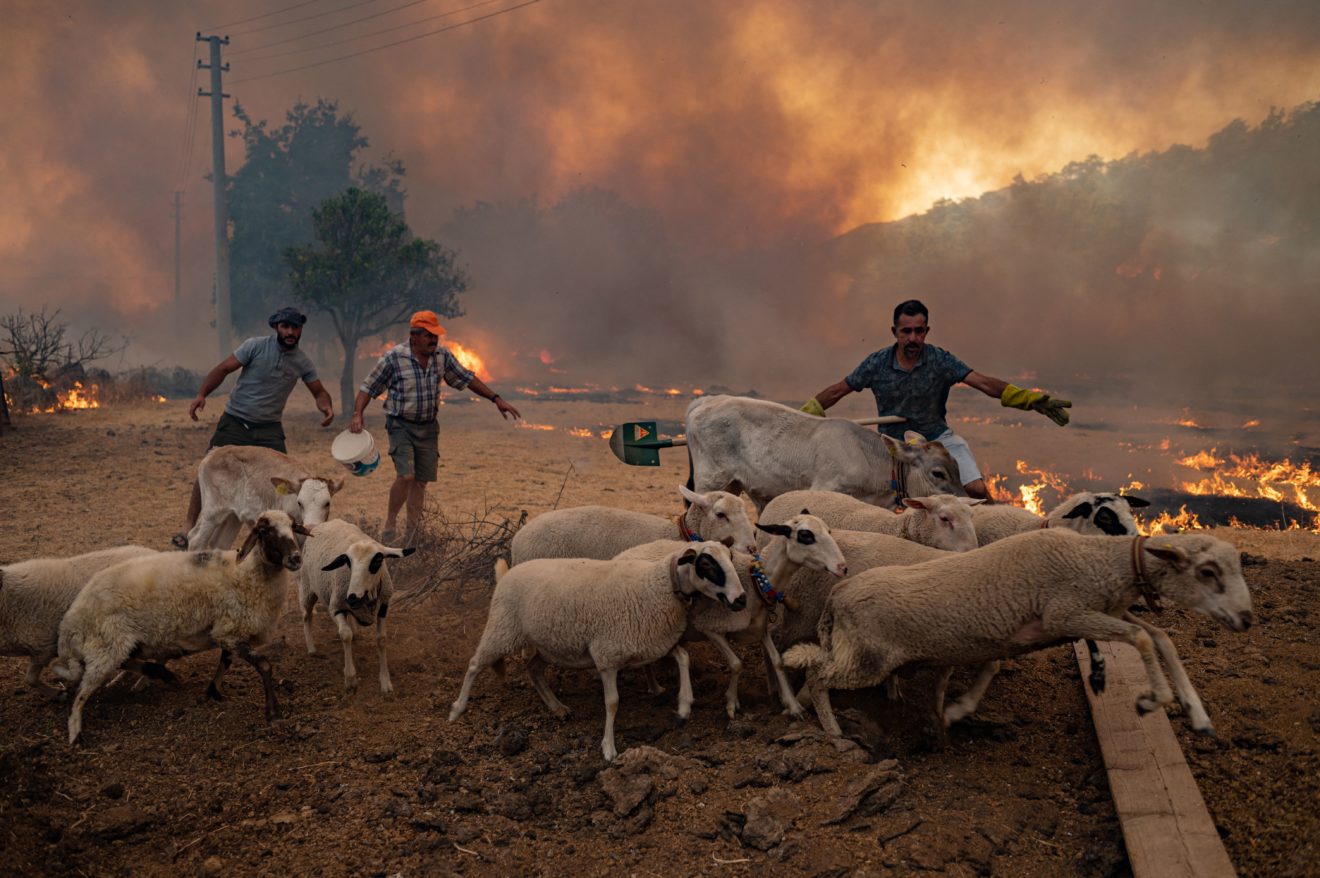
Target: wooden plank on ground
point(1166, 827)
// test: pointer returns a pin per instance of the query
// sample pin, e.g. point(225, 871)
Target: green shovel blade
point(635, 443)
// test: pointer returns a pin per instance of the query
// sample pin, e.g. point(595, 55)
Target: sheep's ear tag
point(281, 489)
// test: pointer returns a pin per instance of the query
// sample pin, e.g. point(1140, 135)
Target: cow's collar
point(897, 476)
point(1142, 577)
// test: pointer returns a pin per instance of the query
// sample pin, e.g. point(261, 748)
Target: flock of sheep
point(845, 592)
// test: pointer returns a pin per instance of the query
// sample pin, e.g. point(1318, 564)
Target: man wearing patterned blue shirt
point(410, 374)
point(912, 379)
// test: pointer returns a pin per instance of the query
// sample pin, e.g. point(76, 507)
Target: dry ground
point(168, 783)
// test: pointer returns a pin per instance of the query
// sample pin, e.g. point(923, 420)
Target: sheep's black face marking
point(376, 560)
point(806, 537)
point(1107, 520)
point(710, 570)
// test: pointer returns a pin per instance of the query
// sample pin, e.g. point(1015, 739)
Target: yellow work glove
point(813, 407)
point(1015, 397)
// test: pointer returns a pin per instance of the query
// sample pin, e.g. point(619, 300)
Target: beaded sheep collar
point(1143, 583)
point(764, 587)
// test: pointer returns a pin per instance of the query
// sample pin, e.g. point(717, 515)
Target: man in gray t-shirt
point(271, 366)
point(912, 379)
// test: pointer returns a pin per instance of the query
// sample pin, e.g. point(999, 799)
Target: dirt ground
point(168, 783)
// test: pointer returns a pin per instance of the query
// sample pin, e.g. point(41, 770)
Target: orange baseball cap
point(427, 320)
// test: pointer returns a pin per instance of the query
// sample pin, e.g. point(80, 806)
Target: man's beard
point(288, 344)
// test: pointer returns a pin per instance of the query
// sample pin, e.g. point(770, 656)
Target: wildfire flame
point(1030, 493)
point(470, 359)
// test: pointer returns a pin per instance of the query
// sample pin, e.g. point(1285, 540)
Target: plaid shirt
point(414, 392)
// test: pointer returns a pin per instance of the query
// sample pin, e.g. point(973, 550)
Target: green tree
point(287, 172)
point(368, 272)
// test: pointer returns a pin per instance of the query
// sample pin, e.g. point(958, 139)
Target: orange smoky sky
point(738, 123)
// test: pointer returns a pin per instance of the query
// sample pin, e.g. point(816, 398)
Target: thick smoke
point(646, 191)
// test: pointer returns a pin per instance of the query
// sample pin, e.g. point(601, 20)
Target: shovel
point(637, 443)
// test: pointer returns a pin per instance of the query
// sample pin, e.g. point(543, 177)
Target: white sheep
point(941, 521)
point(345, 570)
point(173, 604)
point(808, 589)
point(1084, 512)
point(803, 542)
point(34, 596)
point(239, 482)
point(601, 532)
point(607, 615)
point(1016, 596)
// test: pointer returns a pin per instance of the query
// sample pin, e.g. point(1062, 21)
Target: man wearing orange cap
point(410, 374)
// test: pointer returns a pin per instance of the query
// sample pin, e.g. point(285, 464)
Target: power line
point(373, 33)
point(346, 24)
point(185, 147)
point(262, 15)
point(255, 30)
point(386, 46)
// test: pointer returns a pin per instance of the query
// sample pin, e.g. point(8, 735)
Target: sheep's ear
point(912, 437)
point(376, 560)
point(687, 557)
point(805, 511)
point(252, 537)
point(1135, 502)
point(335, 564)
point(914, 503)
point(300, 530)
point(727, 542)
point(1174, 555)
point(334, 485)
point(1081, 510)
point(400, 553)
point(283, 486)
point(972, 501)
point(778, 530)
point(693, 497)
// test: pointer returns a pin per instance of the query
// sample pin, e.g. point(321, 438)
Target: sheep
point(583, 613)
point(803, 542)
point(173, 604)
point(1084, 512)
point(601, 532)
point(941, 521)
point(1015, 596)
point(362, 591)
point(34, 597)
point(239, 482)
point(808, 589)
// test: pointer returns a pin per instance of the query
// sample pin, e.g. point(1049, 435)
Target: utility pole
point(178, 264)
point(218, 180)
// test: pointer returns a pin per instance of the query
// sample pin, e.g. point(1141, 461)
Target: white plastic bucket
point(356, 451)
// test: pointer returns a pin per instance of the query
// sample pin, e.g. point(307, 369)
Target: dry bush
point(460, 551)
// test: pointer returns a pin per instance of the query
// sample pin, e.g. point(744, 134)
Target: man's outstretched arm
point(826, 398)
point(213, 379)
point(1012, 396)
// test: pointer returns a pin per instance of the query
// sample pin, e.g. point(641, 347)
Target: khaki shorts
point(414, 447)
point(229, 430)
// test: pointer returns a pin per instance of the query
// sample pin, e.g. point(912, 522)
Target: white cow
point(239, 482)
point(767, 449)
